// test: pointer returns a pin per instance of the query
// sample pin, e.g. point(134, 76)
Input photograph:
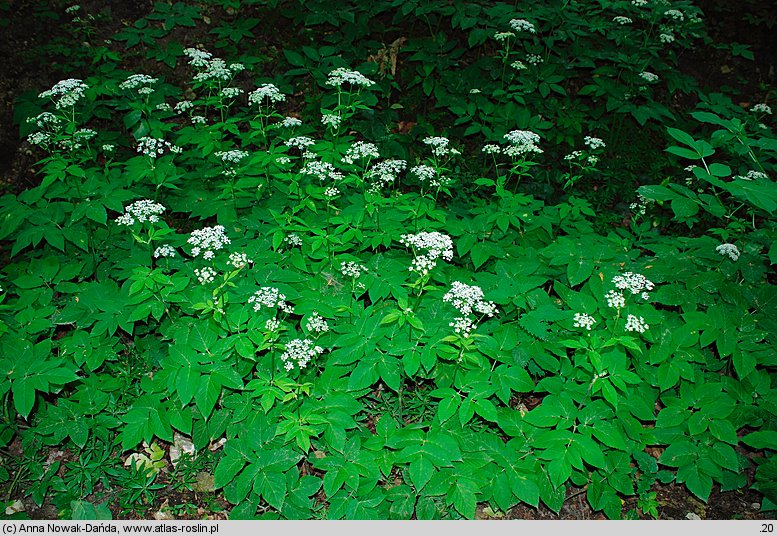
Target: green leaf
point(697, 482)
point(591, 451)
point(525, 489)
point(724, 430)
point(463, 495)
point(229, 466)
point(272, 486)
point(578, 270)
point(448, 406)
point(682, 137)
point(486, 409)
point(23, 396)
point(683, 152)
point(684, 208)
point(420, 471)
point(610, 434)
point(559, 470)
point(765, 439)
point(86, 511)
point(679, 454)
point(480, 253)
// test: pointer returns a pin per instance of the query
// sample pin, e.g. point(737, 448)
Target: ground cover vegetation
point(412, 260)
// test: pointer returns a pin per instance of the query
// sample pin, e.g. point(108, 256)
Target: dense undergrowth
point(420, 257)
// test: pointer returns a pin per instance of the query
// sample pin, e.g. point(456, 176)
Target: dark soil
point(26, 65)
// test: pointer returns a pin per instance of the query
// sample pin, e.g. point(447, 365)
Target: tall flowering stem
point(434, 245)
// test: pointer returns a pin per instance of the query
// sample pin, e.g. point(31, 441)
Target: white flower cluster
point(522, 25)
point(728, 249)
point(272, 325)
point(386, 172)
point(211, 68)
point(666, 37)
point(271, 298)
point(752, 175)
point(44, 120)
point(331, 120)
point(468, 299)
point(534, 59)
point(634, 323)
point(501, 36)
point(522, 142)
point(154, 147)
point(360, 149)
point(316, 323)
point(293, 239)
point(518, 65)
point(675, 14)
point(165, 250)
point(648, 77)
point(231, 157)
point(331, 192)
point(85, 133)
point(230, 92)
point(583, 320)
point(639, 207)
point(423, 172)
point(428, 174)
point(435, 244)
point(217, 69)
point(492, 148)
point(621, 20)
point(352, 269)
point(283, 160)
point(184, 106)
point(440, 146)
point(108, 147)
point(341, 75)
point(636, 283)
point(198, 58)
point(205, 275)
point(762, 108)
point(198, 120)
point(299, 352)
point(266, 92)
point(208, 240)
point(574, 155)
point(65, 93)
point(639, 3)
point(136, 81)
point(594, 143)
point(239, 260)
point(39, 138)
point(300, 142)
point(164, 107)
point(141, 211)
point(290, 122)
point(615, 299)
point(321, 170)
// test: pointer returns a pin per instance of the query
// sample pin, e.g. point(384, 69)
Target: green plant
point(383, 322)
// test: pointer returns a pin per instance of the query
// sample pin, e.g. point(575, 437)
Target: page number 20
point(767, 527)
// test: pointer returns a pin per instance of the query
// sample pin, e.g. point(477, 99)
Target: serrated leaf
point(420, 471)
point(679, 454)
point(486, 409)
point(525, 489)
point(229, 466)
point(765, 439)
